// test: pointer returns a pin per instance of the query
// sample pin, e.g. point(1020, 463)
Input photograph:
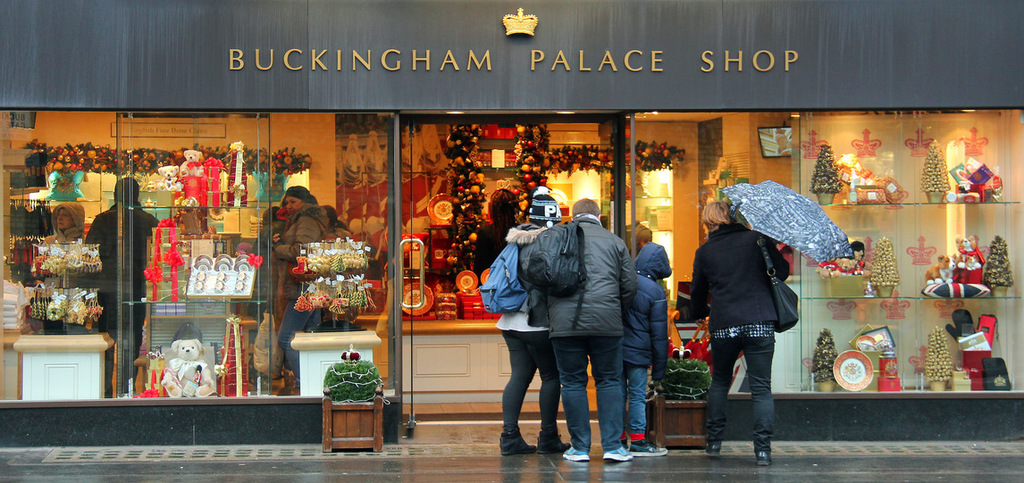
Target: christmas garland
point(532, 159)
point(466, 182)
point(570, 159)
point(653, 156)
point(104, 159)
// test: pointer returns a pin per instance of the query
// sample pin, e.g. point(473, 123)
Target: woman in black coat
point(731, 269)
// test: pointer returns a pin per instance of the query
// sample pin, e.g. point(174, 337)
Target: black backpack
point(555, 265)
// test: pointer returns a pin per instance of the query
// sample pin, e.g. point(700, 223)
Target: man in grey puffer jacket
point(595, 337)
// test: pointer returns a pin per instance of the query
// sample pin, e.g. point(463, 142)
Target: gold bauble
point(527, 168)
point(523, 205)
point(520, 129)
point(472, 237)
point(475, 189)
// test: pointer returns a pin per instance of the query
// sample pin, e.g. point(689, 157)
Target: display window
point(239, 254)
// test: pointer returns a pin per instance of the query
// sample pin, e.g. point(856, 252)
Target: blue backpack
point(502, 293)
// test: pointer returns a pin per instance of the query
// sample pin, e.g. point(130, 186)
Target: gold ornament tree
point(934, 179)
point(534, 161)
point(824, 358)
point(825, 181)
point(938, 365)
point(884, 273)
point(998, 271)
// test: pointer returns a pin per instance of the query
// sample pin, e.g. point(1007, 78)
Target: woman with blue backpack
point(526, 335)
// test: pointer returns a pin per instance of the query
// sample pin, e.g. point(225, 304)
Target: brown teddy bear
point(187, 373)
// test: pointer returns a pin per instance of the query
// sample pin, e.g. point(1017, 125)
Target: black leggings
point(529, 352)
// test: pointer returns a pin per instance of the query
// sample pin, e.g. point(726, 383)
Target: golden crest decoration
point(519, 23)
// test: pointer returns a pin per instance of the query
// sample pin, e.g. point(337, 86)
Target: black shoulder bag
point(785, 298)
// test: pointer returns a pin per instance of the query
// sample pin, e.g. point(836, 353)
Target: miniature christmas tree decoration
point(824, 358)
point(825, 182)
point(884, 273)
point(998, 271)
point(938, 367)
point(934, 179)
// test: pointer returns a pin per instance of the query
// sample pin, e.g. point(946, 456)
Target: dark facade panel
point(177, 54)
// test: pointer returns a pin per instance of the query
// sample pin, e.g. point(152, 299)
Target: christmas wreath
point(570, 159)
point(653, 156)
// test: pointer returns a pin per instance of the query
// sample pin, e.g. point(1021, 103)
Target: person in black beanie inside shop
point(526, 335)
point(138, 227)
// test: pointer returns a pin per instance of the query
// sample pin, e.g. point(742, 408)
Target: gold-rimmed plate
point(440, 209)
point(853, 371)
point(412, 296)
point(466, 281)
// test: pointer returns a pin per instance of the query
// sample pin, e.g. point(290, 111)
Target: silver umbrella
point(791, 218)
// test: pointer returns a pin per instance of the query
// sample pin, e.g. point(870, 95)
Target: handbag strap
point(770, 267)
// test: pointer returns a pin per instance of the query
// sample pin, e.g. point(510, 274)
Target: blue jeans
point(295, 321)
point(634, 386)
point(758, 352)
point(605, 357)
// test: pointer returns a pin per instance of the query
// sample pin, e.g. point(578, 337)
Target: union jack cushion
point(955, 290)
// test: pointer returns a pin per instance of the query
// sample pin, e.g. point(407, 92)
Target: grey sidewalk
point(824, 461)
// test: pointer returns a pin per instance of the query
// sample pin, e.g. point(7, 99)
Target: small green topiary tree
point(824, 357)
point(686, 379)
point(352, 380)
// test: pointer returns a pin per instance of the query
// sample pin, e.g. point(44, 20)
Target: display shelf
point(850, 205)
point(197, 301)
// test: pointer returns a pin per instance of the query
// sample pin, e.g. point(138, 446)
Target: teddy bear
point(193, 165)
point(170, 178)
point(968, 260)
point(187, 373)
point(941, 272)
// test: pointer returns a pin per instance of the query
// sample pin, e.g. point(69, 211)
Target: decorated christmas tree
point(826, 174)
point(466, 182)
point(824, 357)
point(533, 160)
point(352, 380)
point(884, 272)
point(938, 364)
point(998, 271)
point(934, 179)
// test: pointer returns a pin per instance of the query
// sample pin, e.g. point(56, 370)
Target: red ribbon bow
point(173, 258)
point(254, 260)
point(154, 274)
point(213, 163)
point(166, 223)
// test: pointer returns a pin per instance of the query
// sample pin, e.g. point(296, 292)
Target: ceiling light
point(455, 112)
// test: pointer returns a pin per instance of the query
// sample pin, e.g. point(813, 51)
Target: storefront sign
point(171, 130)
point(566, 55)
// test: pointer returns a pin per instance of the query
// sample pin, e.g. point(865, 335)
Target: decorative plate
point(466, 281)
point(440, 209)
point(853, 370)
point(559, 196)
point(866, 343)
point(483, 275)
point(412, 297)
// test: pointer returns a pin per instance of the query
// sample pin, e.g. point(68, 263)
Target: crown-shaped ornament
point(866, 146)
point(919, 147)
point(975, 146)
point(519, 23)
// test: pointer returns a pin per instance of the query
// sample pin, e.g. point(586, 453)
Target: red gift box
point(972, 364)
point(889, 384)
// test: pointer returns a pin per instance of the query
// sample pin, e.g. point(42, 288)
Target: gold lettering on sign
point(315, 61)
point(655, 60)
point(737, 60)
point(425, 60)
point(288, 65)
point(535, 56)
point(235, 61)
point(449, 59)
point(625, 61)
point(706, 57)
point(560, 59)
point(791, 56)
point(479, 62)
point(365, 62)
point(582, 68)
point(771, 61)
point(384, 60)
point(607, 60)
point(260, 67)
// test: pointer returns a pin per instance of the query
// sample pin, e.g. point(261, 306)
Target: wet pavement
point(797, 461)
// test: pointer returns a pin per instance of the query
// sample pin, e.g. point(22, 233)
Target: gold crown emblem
point(519, 23)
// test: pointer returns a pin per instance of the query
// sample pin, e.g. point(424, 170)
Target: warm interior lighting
point(455, 112)
point(795, 115)
point(565, 112)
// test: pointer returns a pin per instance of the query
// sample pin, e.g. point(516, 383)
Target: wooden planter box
point(353, 425)
point(677, 424)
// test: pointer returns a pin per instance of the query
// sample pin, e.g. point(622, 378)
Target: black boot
point(550, 442)
point(512, 443)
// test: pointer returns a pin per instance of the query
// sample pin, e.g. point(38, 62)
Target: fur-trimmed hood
point(313, 211)
point(524, 234)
